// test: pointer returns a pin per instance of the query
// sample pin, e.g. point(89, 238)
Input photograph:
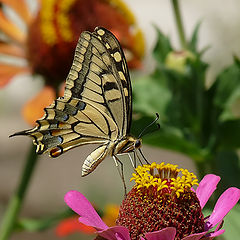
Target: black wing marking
point(114, 48)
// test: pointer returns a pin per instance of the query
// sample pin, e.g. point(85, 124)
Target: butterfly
point(96, 107)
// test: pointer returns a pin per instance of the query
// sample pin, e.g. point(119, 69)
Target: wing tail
point(21, 133)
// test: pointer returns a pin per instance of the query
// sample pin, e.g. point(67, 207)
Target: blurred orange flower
point(110, 214)
point(48, 43)
point(72, 225)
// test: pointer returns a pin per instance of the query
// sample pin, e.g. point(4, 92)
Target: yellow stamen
point(54, 16)
point(164, 176)
point(63, 20)
point(120, 5)
point(47, 27)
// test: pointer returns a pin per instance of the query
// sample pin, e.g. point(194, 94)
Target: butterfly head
point(138, 143)
point(128, 144)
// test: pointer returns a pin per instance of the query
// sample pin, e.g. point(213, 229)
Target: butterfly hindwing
point(71, 124)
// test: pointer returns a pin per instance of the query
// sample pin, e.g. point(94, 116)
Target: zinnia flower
point(162, 205)
point(47, 45)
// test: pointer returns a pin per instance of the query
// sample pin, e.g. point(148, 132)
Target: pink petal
point(195, 236)
point(219, 226)
point(115, 233)
point(206, 187)
point(224, 204)
point(79, 204)
point(86, 221)
point(213, 235)
point(164, 234)
point(120, 237)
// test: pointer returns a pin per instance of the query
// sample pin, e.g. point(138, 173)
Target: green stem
point(14, 206)
point(179, 23)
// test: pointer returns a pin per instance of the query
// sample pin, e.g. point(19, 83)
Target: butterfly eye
point(137, 143)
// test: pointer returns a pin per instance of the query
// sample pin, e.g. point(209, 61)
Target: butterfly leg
point(120, 171)
point(136, 156)
point(133, 162)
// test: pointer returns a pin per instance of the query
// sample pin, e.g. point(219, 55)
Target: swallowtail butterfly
point(96, 107)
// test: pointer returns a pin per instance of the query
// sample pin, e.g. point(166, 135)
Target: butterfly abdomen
point(95, 158)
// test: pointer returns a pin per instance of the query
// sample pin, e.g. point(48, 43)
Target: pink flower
point(88, 216)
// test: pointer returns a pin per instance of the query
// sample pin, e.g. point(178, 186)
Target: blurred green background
point(195, 87)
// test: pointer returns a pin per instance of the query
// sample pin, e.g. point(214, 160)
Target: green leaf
point(206, 211)
point(193, 43)
point(187, 105)
point(232, 224)
point(202, 51)
point(141, 122)
point(229, 134)
point(150, 96)
point(231, 110)
point(210, 116)
point(236, 60)
point(194, 38)
point(228, 167)
point(162, 47)
point(172, 139)
point(227, 87)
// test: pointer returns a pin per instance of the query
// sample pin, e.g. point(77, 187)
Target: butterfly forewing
point(96, 77)
point(120, 63)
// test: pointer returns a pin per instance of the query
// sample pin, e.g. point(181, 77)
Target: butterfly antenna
point(147, 127)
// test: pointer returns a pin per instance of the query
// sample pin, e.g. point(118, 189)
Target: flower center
point(160, 199)
point(54, 21)
point(164, 177)
point(52, 39)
